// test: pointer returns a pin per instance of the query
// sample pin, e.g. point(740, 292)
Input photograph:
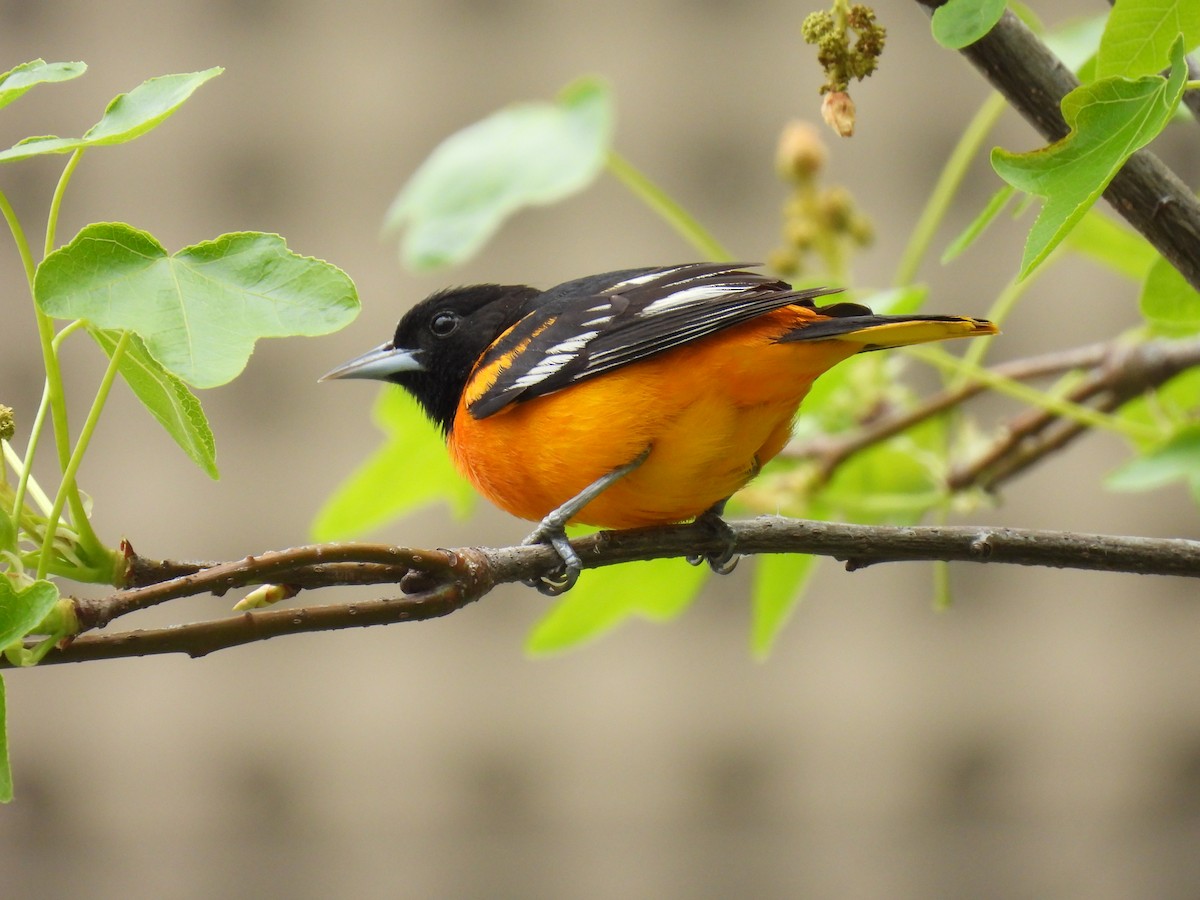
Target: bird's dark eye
point(444, 323)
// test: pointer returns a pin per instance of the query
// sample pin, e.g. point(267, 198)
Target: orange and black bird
point(636, 397)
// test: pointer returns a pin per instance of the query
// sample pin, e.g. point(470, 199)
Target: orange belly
point(711, 413)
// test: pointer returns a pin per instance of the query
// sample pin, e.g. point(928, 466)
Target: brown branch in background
point(1127, 372)
point(1119, 373)
point(1145, 192)
point(438, 582)
point(831, 452)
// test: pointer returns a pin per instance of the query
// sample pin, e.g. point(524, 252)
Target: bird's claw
point(722, 561)
point(564, 577)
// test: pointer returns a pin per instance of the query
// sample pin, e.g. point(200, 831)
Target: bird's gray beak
point(379, 364)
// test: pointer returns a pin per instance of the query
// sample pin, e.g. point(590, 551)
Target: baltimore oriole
point(637, 397)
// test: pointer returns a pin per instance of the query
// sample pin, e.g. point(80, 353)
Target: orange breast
point(711, 412)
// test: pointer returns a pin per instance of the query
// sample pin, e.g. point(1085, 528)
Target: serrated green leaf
point(412, 469)
point(658, 590)
point(1175, 459)
point(21, 610)
point(19, 79)
point(1140, 34)
point(166, 397)
point(779, 581)
point(979, 224)
point(128, 116)
point(201, 310)
point(527, 154)
point(1109, 121)
point(1113, 245)
point(958, 23)
point(1170, 305)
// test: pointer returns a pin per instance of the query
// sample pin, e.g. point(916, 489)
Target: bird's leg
point(552, 529)
point(725, 560)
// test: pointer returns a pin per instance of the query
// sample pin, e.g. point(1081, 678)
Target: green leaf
point(6, 779)
point(994, 207)
point(1140, 34)
point(896, 301)
point(1173, 404)
point(17, 80)
point(1075, 42)
point(201, 310)
point(658, 590)
point(1109, 121)
point(411, 469)
point(895, 482)
point(1113, 245)
point(958, 23)
point(1177, 458)
point(128, 116)
point(525, 155)
point(22, 610)
point(1171, 305)
point(166, 397)
point(8, 531)
point(779, 581)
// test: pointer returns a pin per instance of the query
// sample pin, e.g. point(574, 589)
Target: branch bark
point(438, 582)
point(1145, 192)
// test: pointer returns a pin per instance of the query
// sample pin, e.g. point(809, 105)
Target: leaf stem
point(684, 223)
point(947, 186)
point(67, 487)
point(56, 201)
point(18, 234)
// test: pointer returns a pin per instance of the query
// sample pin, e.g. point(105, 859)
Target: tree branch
point(437, 582)
point(1145, 192)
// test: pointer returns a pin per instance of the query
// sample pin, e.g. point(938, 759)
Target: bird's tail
point(880, 332)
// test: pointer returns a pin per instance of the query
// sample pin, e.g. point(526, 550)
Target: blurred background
point(1040, 739)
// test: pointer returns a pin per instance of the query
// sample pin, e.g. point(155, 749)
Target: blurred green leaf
point(1170, 305)
point(166, 397)
point(1113, 245)
point(779, 581)
point(201, 310)
point(1075, 42)
point(895, 482)
point(1175, 459)
point(958, 23)
point(8, 531)
point(128, 116)
point(6, 781)
point(19, 79)
point(1109, 121)
point(527, 154)
point(1140, 34)
point(21, 610)
point(896, 301)
point(658, 590)
point(1170, 405)
point(410, 470)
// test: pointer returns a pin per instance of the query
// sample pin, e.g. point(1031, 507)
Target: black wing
point(584, 328)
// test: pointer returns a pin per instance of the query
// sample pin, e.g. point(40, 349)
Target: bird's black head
point(438, 343)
